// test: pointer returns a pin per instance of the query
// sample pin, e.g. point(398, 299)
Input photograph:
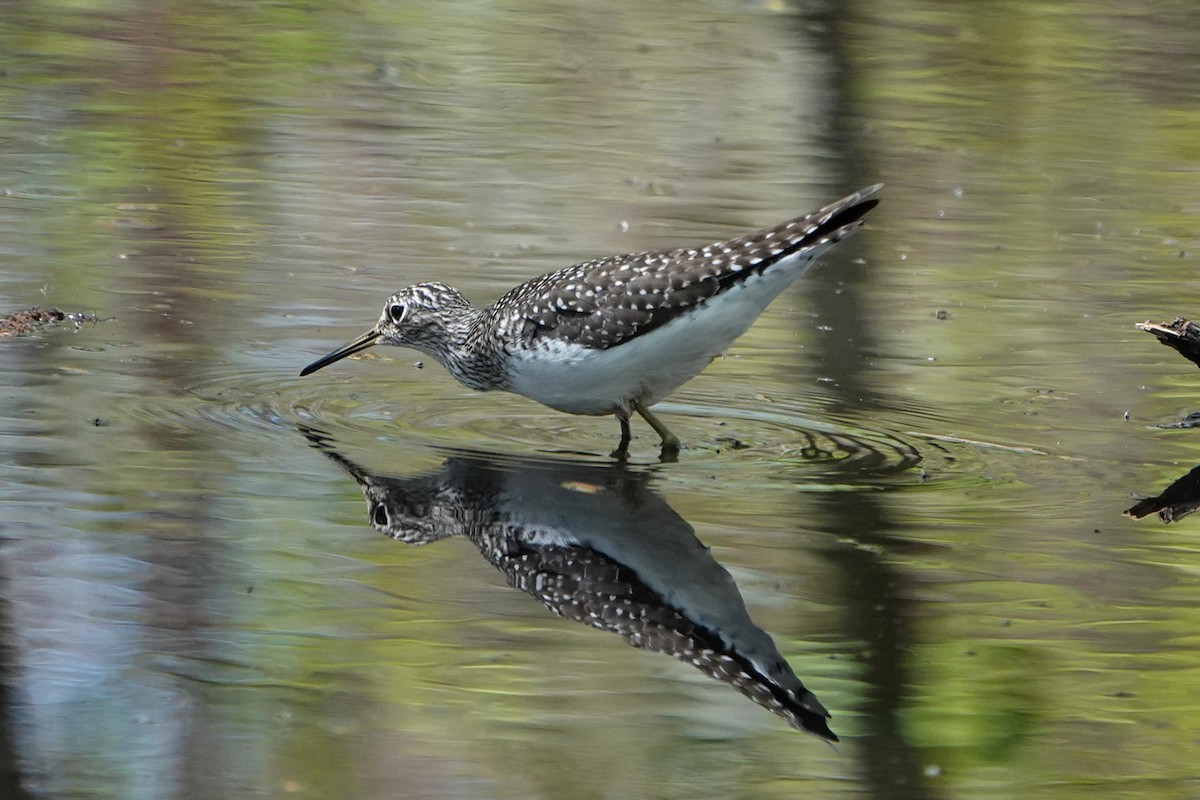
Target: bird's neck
point(463, 349)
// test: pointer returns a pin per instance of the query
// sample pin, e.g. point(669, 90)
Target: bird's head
point(431, 317)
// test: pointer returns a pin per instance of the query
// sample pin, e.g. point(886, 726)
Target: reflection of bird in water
point(618, 334)
point(598, 546)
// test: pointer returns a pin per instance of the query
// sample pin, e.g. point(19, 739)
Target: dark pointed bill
point(358, 345)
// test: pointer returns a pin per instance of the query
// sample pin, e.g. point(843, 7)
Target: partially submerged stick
point(1181, 335)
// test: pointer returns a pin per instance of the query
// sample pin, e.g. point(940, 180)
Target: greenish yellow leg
point(670, 442)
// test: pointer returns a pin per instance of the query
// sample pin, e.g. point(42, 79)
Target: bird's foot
point(670, 448)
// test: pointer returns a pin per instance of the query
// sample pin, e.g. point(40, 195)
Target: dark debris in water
point(1192, 420)
point(1183, 496)
point(29, 320)
point(1177, 501)
point(730, 443)
point(1180, 335)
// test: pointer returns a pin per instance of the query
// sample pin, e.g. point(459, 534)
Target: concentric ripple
point(735, 434)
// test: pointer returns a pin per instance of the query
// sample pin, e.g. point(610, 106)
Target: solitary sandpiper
point(616, 334)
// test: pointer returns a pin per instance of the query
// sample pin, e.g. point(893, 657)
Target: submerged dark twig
point(1183, 496)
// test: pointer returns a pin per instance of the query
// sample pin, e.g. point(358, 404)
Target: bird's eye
point(396, 312)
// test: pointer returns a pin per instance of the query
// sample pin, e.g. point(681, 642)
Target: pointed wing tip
point(819, 728)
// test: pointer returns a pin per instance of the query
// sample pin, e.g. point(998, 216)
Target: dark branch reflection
point(1174, 503)
point(12, 783)
point(597, 545)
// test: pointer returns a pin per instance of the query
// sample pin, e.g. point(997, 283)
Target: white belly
point(647, 368)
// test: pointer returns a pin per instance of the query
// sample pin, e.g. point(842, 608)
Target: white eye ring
point(396, 313)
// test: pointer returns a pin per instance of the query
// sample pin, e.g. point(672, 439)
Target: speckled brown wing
point(606, 302)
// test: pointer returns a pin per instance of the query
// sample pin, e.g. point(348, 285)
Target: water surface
point(912, 470)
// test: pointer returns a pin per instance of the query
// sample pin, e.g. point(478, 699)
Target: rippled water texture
point(901, 499)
